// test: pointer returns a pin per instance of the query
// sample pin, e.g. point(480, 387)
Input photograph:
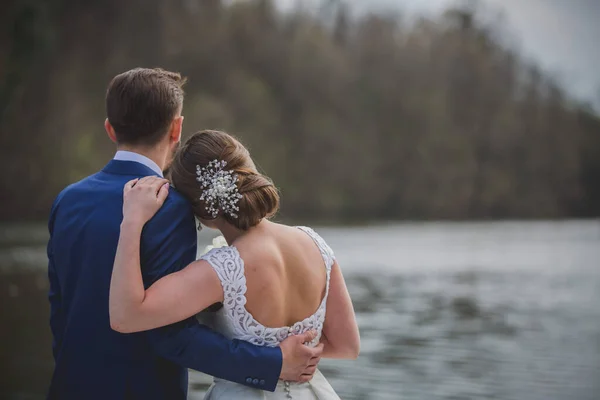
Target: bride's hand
point(142, 198)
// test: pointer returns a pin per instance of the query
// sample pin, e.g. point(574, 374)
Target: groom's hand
point(299, 361)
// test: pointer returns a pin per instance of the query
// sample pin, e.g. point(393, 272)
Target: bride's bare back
point(285, 274)
point(279, 285)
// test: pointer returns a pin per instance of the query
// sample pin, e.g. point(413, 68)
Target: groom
point(93, 361)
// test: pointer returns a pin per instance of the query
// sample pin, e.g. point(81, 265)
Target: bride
point(272, 280)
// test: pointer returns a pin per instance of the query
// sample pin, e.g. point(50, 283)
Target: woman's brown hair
point(260, 198)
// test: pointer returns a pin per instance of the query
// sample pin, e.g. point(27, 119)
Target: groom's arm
point(168, 245)
point(54, 294)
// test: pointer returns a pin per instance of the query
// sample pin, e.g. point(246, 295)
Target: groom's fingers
point(307, 375)
point(311, 367)
point(317, 351)
point(314, 361)
point(310, 370)
point(307, 336)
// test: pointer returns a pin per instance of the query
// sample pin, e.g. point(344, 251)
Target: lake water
point(507, 310)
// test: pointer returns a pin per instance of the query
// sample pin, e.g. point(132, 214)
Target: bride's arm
point(172, 298)
point(340, 330)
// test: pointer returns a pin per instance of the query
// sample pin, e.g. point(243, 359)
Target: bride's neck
point(231, 233)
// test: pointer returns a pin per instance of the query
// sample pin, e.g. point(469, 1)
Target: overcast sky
point(562, 36)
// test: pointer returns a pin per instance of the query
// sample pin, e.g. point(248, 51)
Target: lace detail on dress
point(324, 248)
point(229, 266)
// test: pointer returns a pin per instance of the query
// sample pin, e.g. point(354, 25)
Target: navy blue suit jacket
point(91, 360)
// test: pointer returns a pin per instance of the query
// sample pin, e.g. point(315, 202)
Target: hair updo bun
point(260, 198)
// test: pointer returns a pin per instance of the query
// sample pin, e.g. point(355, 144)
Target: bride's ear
point(110, 131)
point(176, 128)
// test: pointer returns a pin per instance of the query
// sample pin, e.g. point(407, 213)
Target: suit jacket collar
point(130, 168)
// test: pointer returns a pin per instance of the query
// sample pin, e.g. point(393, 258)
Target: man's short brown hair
point(142, 103)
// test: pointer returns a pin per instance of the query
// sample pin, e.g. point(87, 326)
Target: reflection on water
point(446, 311)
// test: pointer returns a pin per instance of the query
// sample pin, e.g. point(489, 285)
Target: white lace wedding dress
point(235, 322)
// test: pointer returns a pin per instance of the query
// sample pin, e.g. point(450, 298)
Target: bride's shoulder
point(325, 249)
point(220, 253)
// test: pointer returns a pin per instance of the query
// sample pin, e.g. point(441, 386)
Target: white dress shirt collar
point(124, 155)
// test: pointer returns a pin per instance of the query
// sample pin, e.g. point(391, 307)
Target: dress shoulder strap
point(229, 266)
point(324, 248)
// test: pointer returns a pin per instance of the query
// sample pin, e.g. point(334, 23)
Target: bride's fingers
point(151, 183)
point(155, 185)
point(129, 185)
point(146, 179)
point(163, 192)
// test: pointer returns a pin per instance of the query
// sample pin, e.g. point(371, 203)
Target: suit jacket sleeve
point(54, 294)
point(169, 244)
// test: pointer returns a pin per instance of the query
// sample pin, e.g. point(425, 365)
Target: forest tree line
point(355, 117)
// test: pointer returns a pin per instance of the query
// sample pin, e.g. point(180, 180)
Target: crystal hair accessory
point(219, 189)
